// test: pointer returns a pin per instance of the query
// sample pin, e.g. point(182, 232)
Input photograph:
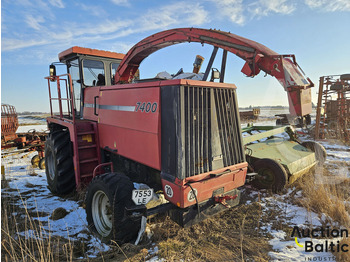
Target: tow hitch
point(222, 200)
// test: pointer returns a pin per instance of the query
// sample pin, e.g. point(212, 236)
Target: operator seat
point(101, 80)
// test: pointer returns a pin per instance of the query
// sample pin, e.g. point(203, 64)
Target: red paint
point(257, 56)
point(206, 185)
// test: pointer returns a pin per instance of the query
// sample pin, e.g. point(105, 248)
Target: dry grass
point(24, 238)
point(229, 236)
point(326, 194)
point(343, 256)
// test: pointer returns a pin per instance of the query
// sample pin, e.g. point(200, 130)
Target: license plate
point(142, 196)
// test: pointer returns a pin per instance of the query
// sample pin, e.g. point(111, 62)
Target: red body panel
point(91, 94)
point(123, 126)
point(205, 185)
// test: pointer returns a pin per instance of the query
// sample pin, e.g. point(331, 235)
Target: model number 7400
point(146, 107)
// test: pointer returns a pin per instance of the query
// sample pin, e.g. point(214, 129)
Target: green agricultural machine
point(278, 157)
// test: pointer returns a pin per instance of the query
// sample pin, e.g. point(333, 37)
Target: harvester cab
point(87, 68)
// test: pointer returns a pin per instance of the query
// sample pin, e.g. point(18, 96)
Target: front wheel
point(271, 175)
point(59, 163)
point(106, 199)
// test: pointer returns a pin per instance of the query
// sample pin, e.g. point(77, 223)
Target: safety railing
point(62, 82)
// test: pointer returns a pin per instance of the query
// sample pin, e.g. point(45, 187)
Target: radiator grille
point(212, 137)
point(200, 130)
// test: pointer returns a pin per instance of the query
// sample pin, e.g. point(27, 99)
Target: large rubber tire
point(279, 122)
point(271, 175)
point(318, 149)
point(307, 120)
point(106, 198)
point(59, 163)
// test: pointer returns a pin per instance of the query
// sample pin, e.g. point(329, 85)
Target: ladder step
point(86, 175)
point(86, 147)
point(85, 133)
point(88, 160)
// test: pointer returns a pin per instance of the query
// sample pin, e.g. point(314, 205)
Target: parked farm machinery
point(9, 123)
point(333, 108)
point(278, 156)
point(250, 115)
point(178, 137)
point(29, 141)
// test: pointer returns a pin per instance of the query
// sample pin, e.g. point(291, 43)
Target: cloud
point(9, 44)
point(120, 47)
point(57, 3)
point(34, 22)
point(232, 9)
point(179, 13)
point(93, 9)
point(121, 2)
point(239, 10)
point(266, 7)
point(330, 6)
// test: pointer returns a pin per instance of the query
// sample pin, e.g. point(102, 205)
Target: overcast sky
point(35, 31)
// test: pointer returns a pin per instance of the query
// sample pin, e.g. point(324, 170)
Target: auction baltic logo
point(321, 232)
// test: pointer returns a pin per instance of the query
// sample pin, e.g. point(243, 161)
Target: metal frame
point(341, 117)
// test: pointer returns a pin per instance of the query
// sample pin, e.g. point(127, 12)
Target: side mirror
point(52, 72)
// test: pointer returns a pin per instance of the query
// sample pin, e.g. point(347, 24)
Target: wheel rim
point(42, 164)
point(266, 177)
point(101, 213)
point(35, 161)
point(50, 165)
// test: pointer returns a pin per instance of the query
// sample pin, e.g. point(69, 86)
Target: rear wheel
point(106, 199)
point(318, 149)
point(271, 175)
point(58, 159)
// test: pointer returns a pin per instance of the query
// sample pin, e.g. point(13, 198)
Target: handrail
point(69, 92)
point(102, 165)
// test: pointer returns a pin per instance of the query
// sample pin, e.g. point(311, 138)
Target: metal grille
point(207, 111)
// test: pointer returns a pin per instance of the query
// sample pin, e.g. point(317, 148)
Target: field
point(38, 226)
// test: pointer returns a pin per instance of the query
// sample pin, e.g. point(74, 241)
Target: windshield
point(73, 69)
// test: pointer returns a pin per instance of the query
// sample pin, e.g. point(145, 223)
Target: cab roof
point(88, 51)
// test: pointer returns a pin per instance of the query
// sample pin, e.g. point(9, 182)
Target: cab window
point(93, 73)
point(114, 67)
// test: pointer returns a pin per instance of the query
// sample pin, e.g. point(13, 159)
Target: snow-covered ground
point(31, 123)
point(30, 128)
point(285, 247)
point(29, 186)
